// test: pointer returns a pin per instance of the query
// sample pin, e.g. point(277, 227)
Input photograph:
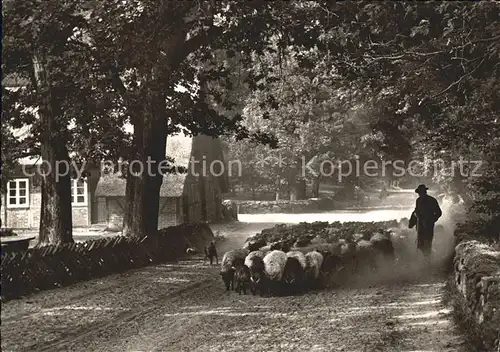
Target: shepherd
point(425, 215)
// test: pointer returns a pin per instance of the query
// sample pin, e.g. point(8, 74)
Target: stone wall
point(477, 288)
point(47, 267)
point(282, 206)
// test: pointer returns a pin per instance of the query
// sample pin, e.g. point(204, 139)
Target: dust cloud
point(410, 264)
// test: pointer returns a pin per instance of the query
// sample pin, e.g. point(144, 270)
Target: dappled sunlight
point(213, 312)
point(71, 310)
point(169, 280)
point(240, 333)
point(424, 315)
point(363, 314)
point(339, 215)
point(436, 285)
point(430, 322)
point(410, 303)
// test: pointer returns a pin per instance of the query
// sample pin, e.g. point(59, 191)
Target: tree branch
point(458, 81)
point(453, 84)
point(194, 43)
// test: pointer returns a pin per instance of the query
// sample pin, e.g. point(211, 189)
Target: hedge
point(51, 266)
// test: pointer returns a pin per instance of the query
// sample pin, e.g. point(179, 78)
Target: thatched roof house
point(185, 196)
point(100, 198)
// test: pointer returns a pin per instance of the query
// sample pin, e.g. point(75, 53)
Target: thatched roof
point(178, 148)
point(114, 186)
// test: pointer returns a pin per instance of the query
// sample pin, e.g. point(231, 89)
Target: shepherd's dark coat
point(427, 212)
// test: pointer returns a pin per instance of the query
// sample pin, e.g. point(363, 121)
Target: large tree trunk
point(56, 221)
point(203, 198)
point(56, 224)
point(143, 189)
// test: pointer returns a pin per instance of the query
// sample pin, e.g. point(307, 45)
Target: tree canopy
point(379, 80)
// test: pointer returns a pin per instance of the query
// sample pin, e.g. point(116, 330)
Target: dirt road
point(183, 307)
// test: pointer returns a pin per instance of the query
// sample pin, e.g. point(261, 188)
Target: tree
point(35, 47)
point(147, 53)
point(438, 76)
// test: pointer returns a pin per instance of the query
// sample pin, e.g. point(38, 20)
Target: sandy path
point(183, 307)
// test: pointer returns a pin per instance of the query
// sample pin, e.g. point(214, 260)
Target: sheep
point(283, 245)
point(304, 240)
point(332, 263)
point(265, 249)
point(254, 261)
point(299, 256)
point(274, 266)
point(259, 254)
point(348, 254)
point(293, 276)
point(365, 256)
point(259, 282)
point(230, 262)
point(242, 278)
point(254, 244)
point(382, 243)
point(314, 261)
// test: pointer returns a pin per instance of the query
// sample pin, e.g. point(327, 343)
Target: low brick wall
point(282, 206)
point(47, 267)
point(477, 290)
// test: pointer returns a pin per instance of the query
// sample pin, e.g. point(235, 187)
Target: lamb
point(230, 262)
point(293, 275)
point(314, 261)
point(242, 278)
point(274, 266)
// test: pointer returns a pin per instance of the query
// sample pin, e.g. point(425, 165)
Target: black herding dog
point(211, 253)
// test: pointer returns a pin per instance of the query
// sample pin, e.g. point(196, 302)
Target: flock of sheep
point(271, 272)
point(293, 263)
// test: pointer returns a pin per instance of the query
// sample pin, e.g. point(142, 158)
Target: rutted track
point(198, 315)
point(183, 307)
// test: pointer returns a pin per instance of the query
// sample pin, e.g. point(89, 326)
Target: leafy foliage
point(377, 80)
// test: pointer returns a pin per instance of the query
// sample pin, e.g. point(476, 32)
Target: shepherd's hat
point(421, 188)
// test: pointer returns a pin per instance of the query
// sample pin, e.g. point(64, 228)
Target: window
point(18, 193)
point(79, 191)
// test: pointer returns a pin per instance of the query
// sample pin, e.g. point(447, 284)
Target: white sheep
point(314, 260)
point(274, 264)
point(299, 256)
point(248, 259)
